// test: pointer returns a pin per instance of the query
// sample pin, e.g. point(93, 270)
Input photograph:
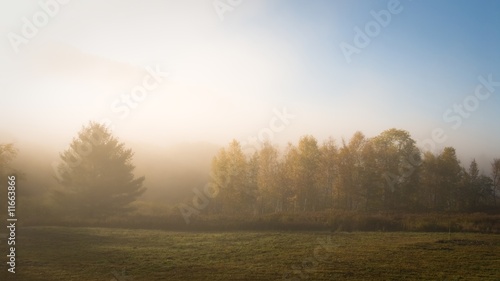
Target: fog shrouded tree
point(219, 180)
point(477, 190)
point(469, 193)
point(230, 176)
point(372, 181)
point(7, 153)
point(268, 180)
point(486, 191)
point(327, 174)
point(449, 174)
point(398, 162)
point(350, 172)
point(290, 176)
point(97, 175)
point(308, 163)
point(495, 175)
point(429, 181)
point(252, 183)
point(384, 173)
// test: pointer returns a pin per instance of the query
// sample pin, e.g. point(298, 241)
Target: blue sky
point(229, 76)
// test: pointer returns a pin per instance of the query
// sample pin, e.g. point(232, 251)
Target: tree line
point(384, 173)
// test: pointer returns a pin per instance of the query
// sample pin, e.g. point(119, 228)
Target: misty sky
point(229, 72)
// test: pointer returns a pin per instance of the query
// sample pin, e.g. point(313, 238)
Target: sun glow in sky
point(226, 77)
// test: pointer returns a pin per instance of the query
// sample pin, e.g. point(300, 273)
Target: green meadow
point(60, 253)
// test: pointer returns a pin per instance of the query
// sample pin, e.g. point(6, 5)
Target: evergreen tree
point(495, 175)
point(97, 175)
point(449, 174)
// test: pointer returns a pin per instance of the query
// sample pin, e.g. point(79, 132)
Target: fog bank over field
point(212, 80)
point(177, 81)
point(171, 171)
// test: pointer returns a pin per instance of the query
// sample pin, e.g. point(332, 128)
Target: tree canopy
point(7, 153)
point(97, 174)
point(383, 173)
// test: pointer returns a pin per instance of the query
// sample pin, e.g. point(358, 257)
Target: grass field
point(57, 253)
